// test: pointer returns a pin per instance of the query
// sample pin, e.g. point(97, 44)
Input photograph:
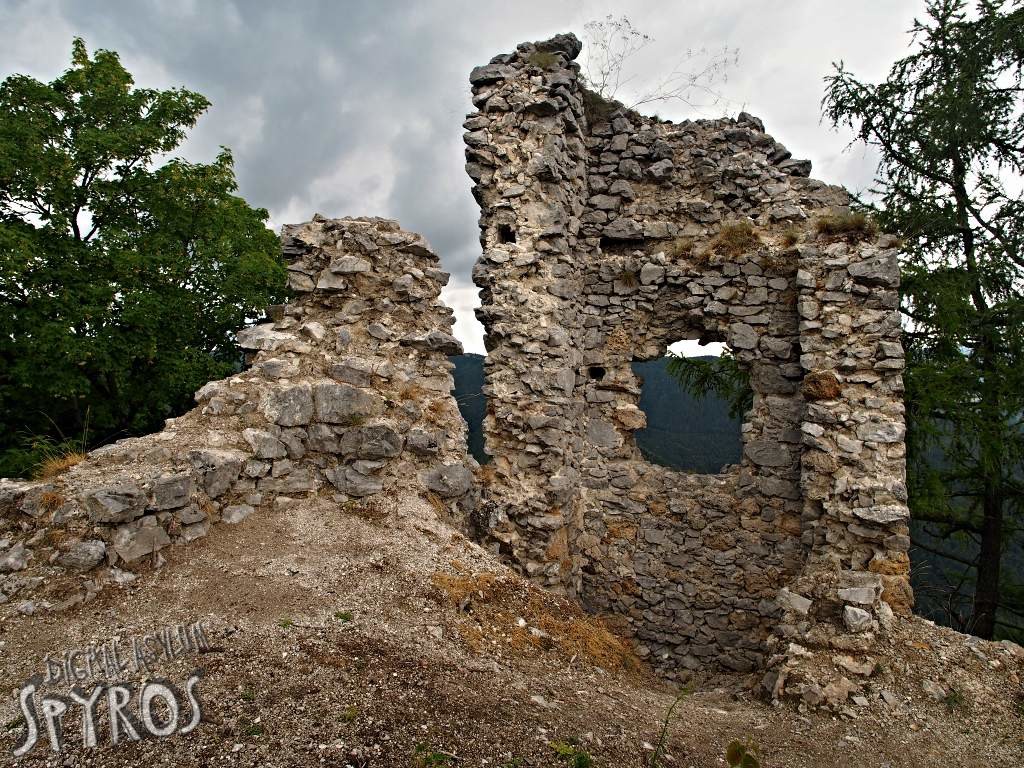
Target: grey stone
point(624, 229)
point(354, 483)
point(661, 170)
point(794, 602)
point(83, 555)
point(289, 406)
point(220, 468)
point(859, 595)
point(882, 270)
point(172, 491)
point(264, 445)
point(651, 273)
point(117, 503)
point(449, 481)
point(261, 337)
point(767, 453)
point(856, 619)
point(490, 73)
point(630, 169)
point(603, 433)
point(349, 265)
point(344, 404)
point(434, 341)
point(376, 441)
point(236, 513)
point(140, 538)
point(742, 336)
point(15, 559)
point(883, 514)
point(189, 515)
point(423, 442)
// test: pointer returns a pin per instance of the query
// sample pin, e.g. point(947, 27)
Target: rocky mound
point(371, 633)
point(346, 392)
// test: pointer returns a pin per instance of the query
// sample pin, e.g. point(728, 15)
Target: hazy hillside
point(695, 435)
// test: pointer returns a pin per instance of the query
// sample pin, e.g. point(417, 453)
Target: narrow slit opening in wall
point(506, 234)
point(687, 430)
point(468, 391)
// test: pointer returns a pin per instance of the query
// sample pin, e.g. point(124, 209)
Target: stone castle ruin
point(606, 237)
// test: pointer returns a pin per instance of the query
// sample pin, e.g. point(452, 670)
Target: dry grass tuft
point(437, 503)
point(850, 226)
point(628, 277)
point(51, 501)
point(735, 238)
point(542, 59)
point(680, 248)
point(372, 508)
point(410, 390)
point(486, 474)
point(55, 465)
point(790, 237)
point(781, 263)
point(525, 618)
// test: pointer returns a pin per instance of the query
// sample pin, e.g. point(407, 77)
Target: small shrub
point(955, 700)
point(821, 385)
point(571, 754)
point(542, 59)
point(597, 108)
point(735, 238)
point(344, 616)
point(783, 263)
point(253, 729)
point(742, 754)
point(286, 623)
point(659, 749)
point(248, 695)
point(851, 226)
point(790, 237)
point(354, 420)
point(425, 757)
point(349, 714)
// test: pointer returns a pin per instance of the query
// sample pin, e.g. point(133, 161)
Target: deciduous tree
point(123, 275)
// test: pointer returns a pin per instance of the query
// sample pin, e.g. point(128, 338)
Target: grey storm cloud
point(355, 108)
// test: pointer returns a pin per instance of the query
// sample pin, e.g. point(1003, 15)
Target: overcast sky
point(355, 108)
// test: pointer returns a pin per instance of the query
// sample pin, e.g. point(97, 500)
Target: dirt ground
point(374, 635)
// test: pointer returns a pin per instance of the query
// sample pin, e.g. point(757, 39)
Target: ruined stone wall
point(608, 236)
point(347, 393)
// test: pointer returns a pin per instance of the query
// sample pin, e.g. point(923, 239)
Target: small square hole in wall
point(506, 234)
point(596, 372)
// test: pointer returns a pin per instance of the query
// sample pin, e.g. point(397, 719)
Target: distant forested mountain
point(469, 381)
point(682, 432)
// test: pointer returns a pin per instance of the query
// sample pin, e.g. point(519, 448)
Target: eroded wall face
point(607, 236)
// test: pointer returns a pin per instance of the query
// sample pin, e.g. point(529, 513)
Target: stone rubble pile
point(346, 393)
